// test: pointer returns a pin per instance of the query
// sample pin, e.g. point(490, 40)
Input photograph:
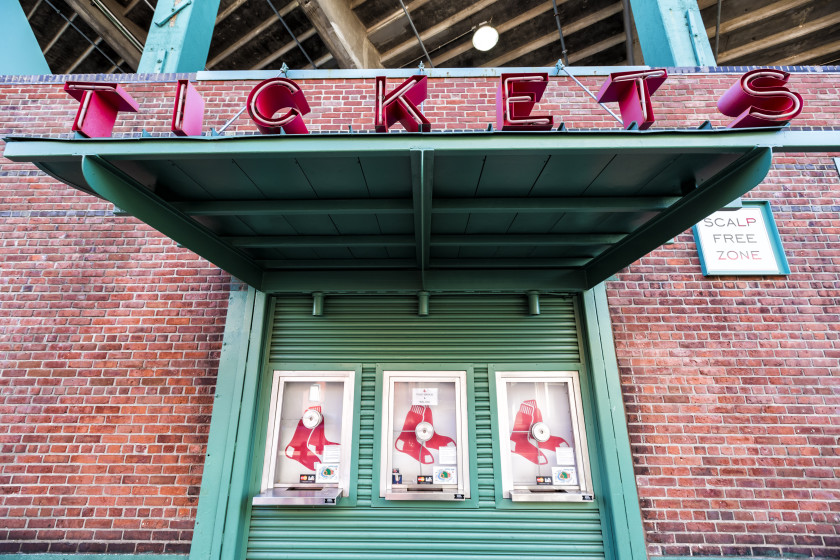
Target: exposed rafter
point(120, 33)
point(394, 16)
point(342, 32)
point(573, 27)
point(250, 36)
point(436, 29)
point(503, 27)
point(782, 37)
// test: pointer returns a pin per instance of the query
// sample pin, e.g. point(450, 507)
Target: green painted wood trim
point(126, 193)
point(179, 42)
point(54, 556)
point(16, 37)
point(738, 178)
point(671, 33)
point(622, 517)
point(351, 144)
point(241, 346)
point(375, 499)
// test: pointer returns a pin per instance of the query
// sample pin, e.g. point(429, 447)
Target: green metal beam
point(422, 175)
point(671, 33)
point(463, 264)
point(436, 280)
point(294, 207)
point(179, 37)
point(280, 241)
point(23, 55)
point(541, 205)
point(337, 145)
point(544, 205)
point(333, 264)
point(126, 193)
point(544, 240)
point(738, 178)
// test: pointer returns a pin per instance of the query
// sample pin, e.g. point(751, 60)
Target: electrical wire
point(563, 51)
point(411, 22)
point(292, 34)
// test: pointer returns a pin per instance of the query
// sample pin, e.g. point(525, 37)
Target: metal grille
point(476, 329)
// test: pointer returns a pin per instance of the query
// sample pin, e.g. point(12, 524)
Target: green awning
point(435, 211)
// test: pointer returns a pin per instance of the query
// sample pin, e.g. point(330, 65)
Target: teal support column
point(179, 37)
point(622, 517)
point(671, 33)
point(224, 504)
point(22, 54)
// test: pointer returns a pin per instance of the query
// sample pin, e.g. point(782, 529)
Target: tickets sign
point(279, 105)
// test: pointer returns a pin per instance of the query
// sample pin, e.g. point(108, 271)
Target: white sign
point(741, 241)
point(426, 396)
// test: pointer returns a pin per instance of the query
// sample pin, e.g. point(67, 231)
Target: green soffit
point(436, 211)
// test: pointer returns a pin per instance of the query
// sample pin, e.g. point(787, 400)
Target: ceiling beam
point(396, 15)
point(755, 15)
point(781, 37)
point(60, 32)
point(32, 11)
point(342, 33)
point(120, 33)
point(815, 53)
point(503, 27)
point(398, 206)
point(327, 264)
point(295, 207)
point(291, 45)
point(251, 35)
point(436, 30)
point(223, 15)
point(572, 27)
point(512, 239)
point(464, 263)
point(75, 64)
point(285, 241)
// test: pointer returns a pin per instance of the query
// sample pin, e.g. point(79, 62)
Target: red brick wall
point(732, 384)
point(110, 336)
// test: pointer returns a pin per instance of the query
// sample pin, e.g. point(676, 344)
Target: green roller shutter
point(476, 329)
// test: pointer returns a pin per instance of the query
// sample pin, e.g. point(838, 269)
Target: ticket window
point(424, 436)
point(542, 439)
point(309, 439)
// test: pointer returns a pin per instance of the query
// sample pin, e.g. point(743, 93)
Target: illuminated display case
point(542, 440)
point(424, 436)
point(309, 438)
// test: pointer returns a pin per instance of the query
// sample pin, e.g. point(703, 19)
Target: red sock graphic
point(520, 436)
point(317, 439)
point(308, 443)
point(437, 440)
point(298, 449)
point(553, 442)
point(407, 441)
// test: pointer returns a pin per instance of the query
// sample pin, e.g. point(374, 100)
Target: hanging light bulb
point(485, 37)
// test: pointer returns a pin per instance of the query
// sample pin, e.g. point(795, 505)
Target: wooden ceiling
point(106, 36)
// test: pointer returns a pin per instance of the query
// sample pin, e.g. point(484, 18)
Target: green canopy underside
point(434, 211)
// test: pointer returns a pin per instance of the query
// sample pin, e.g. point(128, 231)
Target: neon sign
point(276, 105)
